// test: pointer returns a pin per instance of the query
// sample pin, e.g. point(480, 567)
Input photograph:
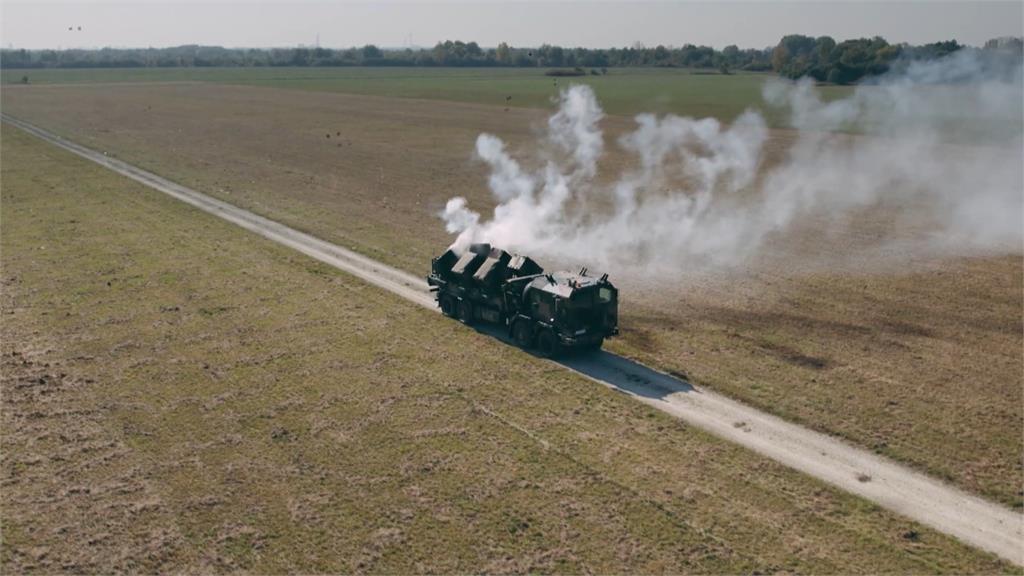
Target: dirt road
point(980, 523)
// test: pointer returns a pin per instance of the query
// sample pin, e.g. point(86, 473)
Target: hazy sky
point(42, 24)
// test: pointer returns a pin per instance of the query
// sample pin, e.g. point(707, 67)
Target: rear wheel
point(447, 306)
point(465, 311)
point(522, 334)
point(548, 345)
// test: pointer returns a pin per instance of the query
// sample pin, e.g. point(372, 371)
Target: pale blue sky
point(44, 24)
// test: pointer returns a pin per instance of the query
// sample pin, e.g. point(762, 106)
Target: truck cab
point(565, 311)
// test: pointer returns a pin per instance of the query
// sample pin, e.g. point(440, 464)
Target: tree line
point(795, 56)
point(847, 62)
point(449, 53)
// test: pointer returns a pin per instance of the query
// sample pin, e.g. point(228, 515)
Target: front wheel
point(548, 344)
point(447, 306)
point(522, 334)
point(465, 311)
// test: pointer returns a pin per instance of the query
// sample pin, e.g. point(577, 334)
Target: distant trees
point(1007, 44)
point(503, 54)
point(447, 53)
point(847, 62)
point(729, 57)
point(795, 56)
point(459, 53)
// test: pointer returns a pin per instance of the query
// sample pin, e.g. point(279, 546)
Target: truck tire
point(465, 309)
point(548, 344)
point(447, 306)
point(594, 346)
point(522, 334)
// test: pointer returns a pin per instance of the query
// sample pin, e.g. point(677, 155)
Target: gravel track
point(983, 524)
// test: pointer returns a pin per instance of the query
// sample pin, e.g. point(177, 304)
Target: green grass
point(624, 91)
point(316, 424)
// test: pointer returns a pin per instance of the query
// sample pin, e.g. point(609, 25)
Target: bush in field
point(558, 72)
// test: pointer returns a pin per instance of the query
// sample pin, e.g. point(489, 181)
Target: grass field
point(181, 396)
point(921, 364)
point(624, 91)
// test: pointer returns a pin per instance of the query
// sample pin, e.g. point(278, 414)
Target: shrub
point(565, 72)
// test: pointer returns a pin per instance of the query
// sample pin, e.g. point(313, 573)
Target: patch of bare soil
point(79, 502)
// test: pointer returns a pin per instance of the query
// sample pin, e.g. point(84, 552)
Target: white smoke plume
point(702, 196)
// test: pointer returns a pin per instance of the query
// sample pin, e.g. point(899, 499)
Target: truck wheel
point(522, 334)
point(447, 306)
point(465, 311)
point(548, 345)
point(594, 346)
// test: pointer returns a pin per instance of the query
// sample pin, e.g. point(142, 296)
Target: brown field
point(922, 364)
point(180, 395)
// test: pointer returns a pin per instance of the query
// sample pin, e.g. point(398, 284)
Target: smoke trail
point(700, 194)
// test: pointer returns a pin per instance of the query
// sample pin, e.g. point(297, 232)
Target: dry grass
point(922, 367)
point(179, 395)
point(921, 364)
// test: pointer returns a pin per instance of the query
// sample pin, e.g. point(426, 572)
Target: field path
point(983, 524)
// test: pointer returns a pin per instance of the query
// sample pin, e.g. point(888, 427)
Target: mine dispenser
point(552, 312)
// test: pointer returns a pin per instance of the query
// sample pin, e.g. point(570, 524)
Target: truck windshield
point(585, 307)
point(590, 297)
point(582, 298)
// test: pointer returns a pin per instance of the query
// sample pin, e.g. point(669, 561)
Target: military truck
point(554, 313)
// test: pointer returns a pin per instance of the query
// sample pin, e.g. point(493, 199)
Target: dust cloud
point(935, 148)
